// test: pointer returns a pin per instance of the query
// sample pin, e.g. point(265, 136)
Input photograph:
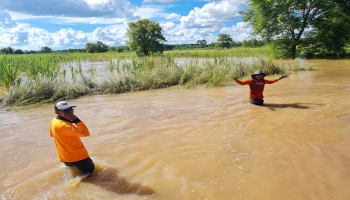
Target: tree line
point(230, 43)
point(100, 47)
point(10, 50)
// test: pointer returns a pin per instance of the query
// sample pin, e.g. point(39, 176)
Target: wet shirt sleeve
point(81, 129)
point(271, 81)
point(246, 82)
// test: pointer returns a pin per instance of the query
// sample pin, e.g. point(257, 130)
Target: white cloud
point(152, 12)
point(109, 19)
point(167, 25)
point(239, 32)
point(80, 20)
point(78, 39)
point(175, 34)
point(161, 1)
point(213, 14)
point(34, 39)
point(106, 35)
point(97, 4)
point(72, 8)
point(173, 16)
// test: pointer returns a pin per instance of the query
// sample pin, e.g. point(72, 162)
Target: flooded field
point(202, 143)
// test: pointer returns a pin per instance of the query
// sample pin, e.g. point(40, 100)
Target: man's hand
point(284, 76)
point(69, 116)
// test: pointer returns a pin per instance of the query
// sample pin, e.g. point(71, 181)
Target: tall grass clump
point(41, 65)
point(14, 67)
point(43, 90)
point(266, 65)
point(294, 66)
point(29, 79)
point(8, 71)
point(220, 71)
point(140, 75)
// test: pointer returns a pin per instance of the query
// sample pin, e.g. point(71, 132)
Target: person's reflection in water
point(108, 179)
point(272, 106)
point(256, 86)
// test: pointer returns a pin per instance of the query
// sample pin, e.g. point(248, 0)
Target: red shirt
point(256, 87)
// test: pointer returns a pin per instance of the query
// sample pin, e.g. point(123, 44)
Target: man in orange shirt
point(66, 130)
point(256, 86)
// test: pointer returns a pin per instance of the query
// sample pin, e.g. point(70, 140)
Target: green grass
point(40, 79)
point(216, 53)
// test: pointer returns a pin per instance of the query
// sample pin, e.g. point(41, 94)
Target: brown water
point(205, 143)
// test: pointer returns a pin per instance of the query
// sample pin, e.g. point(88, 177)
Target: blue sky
point(64, 24)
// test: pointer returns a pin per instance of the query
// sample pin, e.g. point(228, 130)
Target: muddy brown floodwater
point(203, 143)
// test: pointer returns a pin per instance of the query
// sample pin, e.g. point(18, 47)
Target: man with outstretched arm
point(66, 130)
point(256, 86)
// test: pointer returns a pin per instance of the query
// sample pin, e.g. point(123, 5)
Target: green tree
point(46, 49)
point(213, 44)
point(90, 47)
point(236, 44)
point(18, 51)
point(7, 50)
point(330, 35)
point(71, 50)
point(291, 22)
point(98, 47)
point(252, 43)
point(145, 37)
point(119, 49)
point(244, 43)
point(101, 47)
point(224, 40)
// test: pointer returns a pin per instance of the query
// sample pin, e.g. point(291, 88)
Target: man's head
point(63, 107)
point(258, 75)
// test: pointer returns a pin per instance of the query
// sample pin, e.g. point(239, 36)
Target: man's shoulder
point(248, 80)
point(55, 119)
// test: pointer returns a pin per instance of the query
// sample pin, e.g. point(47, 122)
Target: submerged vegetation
point(31, 79)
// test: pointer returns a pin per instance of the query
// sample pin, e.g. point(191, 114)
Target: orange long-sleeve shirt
point(256, 87)
point(67, 139)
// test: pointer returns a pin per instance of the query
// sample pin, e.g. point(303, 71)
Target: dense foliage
point(98, 47)
point(301, 27)
point(224, 40)
point(145, 37)
point(46, 49)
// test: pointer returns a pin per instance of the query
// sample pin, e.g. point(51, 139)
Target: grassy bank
point(41, 79)
point(216, 53)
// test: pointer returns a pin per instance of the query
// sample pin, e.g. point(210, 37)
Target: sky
point(65, 24)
